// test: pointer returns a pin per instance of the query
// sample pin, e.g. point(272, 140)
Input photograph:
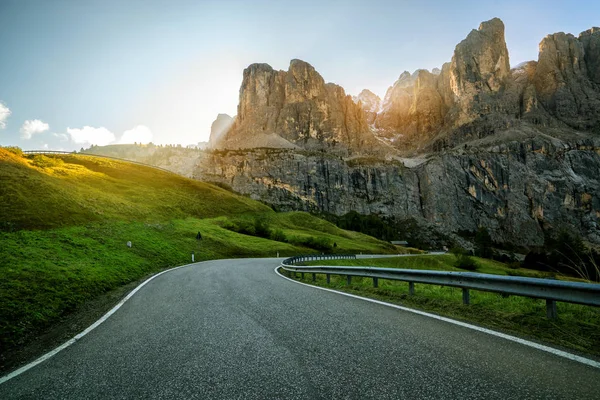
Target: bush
point(258, 227)
point(278, 236)
point(483, 243)
point(514, 265)
point(463, 259)
point(466, 262)
point(14, 149)
point(317, 243)
point(40, 160)
point(261, 228)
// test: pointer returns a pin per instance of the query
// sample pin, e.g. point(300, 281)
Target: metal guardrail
point(550, 290)
point(74, 153)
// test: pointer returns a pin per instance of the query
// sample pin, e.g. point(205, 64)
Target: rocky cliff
point(472, 144)
point(513, 150)
point(296, 108)
point(219, 128)
point(518, 187)
point(370, 103)
point(477, 94)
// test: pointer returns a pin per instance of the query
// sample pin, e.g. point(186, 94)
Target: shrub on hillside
point(41, 161)
point(317, 243)
point(257, 227)
point(14, 149)
point(278, 236)
point(261, 228)
point(463, 259)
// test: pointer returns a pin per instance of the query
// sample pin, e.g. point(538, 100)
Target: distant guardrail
point(549, 290)
point(74, 153)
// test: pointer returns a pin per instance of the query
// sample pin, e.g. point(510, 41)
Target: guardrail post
point(302, 274)
point(551, 309)
point(411, 288)
point(466, 296)
point(328, 278)
point(349, 279)
point(314, 277)
point(375, 282)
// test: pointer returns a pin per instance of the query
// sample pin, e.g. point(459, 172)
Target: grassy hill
point(65, 221)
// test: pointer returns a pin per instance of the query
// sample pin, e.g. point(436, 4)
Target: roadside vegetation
point(65, 222)
point(577, 327)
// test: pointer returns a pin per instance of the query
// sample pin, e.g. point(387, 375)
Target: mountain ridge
point(475, 144)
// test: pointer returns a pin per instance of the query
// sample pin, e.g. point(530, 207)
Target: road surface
point(233, 329)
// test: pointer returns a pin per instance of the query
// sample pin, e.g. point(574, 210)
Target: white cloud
point(63, 137)
point(89, 135)
point(4, 114)
point(33, 126)
point(139, 134)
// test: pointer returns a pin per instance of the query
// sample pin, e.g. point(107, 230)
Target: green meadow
point(577, 327)
point(65, 221)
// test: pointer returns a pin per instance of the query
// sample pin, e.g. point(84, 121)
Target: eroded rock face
point(562, 81)
point(514, 150)
point(370, 103)
point(590, 40)
point(480, 63)
point(413, 108)
point(218, 129)
point(517, 189)
point(298, 107)
point(422, 105)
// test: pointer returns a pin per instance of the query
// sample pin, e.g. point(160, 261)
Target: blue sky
point(163, 70)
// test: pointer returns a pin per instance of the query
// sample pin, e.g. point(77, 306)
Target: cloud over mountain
point(89, 135)
point(33, 126)
point(4, 114)
point(139, 134)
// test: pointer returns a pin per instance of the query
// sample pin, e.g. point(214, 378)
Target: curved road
point(233, 329)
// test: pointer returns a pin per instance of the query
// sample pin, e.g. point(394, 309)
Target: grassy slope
point(438, 263)
point(577, 327)
point(65, 222)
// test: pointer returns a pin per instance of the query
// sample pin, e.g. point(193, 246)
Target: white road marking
point(524, 342)
point(85, 332)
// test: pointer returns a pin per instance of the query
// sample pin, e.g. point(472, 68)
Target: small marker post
point(193, 257)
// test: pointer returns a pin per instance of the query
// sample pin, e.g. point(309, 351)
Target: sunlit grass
point(65, 222)
point(577, 327)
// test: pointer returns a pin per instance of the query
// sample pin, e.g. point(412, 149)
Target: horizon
point(83, 73)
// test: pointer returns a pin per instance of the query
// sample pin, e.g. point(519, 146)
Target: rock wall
point(296, 108)
point(517, 189)
point(477, 94)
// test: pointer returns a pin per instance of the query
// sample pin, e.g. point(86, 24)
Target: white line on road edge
point(85, 332)
point(556, 352)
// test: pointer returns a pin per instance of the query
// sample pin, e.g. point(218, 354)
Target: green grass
point(577, 327)
point(443, 262)
point(65, 222)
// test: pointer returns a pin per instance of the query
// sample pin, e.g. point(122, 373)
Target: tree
point(483, 243)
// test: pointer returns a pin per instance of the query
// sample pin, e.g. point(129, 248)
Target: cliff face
point(514, 150)
point(516, 189)
point(370, 103)
point(563, 83)
point(477, 94)
point(296, 108)
point(422, 105)
point(219, 128)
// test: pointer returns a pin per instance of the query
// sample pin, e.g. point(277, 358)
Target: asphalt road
point(233, 329)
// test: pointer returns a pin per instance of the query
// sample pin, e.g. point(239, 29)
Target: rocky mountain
point(518, 187)
point(296, 108)
point(477, 94)
point(473, 144)
point(370, 103)
point(219, 128)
